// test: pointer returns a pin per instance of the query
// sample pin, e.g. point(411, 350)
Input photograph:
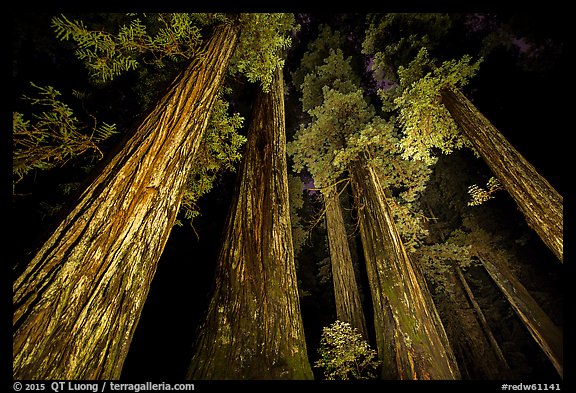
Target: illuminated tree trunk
point(77, 303)
point(410, 338)
point(346, 293)
point(540, 203)
point(546, 334)
point(254, 329)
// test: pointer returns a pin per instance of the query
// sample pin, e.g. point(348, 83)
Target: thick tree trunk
point(543, 330)
point(540, 203)
point(346, 293)
point(410, 338)
point(78, 301)
point(254, 329)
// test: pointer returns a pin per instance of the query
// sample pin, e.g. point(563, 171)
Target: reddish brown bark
point(346, 293)
point(77, 303)
point(540, 203)
point(410, 338)
point(254, 329)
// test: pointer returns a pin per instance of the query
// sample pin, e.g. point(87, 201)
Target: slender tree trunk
point(540, 203)
point(481, 319)
point(543, 330)
point(467, 328)
point(254, 329)
point(79, 300)
point(346, 293)
point(476, 355)
point(410, 338)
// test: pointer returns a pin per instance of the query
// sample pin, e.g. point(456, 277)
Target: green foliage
point(107, 55)
point(317, 50)
point(345, 355)
point(480, 195)
point(335, 72)
point(157, 38)
point(324, 274)
point(338, 110)
point(438, 261)
point(485, 242)
point(263, 39)
point(219, 151)
point(426, 123)
point(377, 136)
point(53, 136)
point(401, 45)
point(344, 129)
point(393, 39)
point(317, 145)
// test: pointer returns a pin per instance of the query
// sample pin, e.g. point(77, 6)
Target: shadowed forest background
point(519, 87)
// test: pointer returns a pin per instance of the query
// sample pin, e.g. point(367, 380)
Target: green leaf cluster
point(317, 50)
point(401, 45)
point(150, 39)
point(394, 39)
point(345, 355)
point(480, 195)
point(425, 121)
point(263, 39)
point(219, 151)
point(335, 72)
point(53, 135)
point(317, 145)
point(438, 261)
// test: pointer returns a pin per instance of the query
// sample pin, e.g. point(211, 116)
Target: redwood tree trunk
point(540, 203)
point(479, 354)
point(546, 334)
point(477, 340)
point(254, 329)
point(79, 300)
point(410, 338)
point(346, 293)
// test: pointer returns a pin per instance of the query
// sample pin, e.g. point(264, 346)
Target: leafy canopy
point(155, 38)
point(400, 45)
point(425, 121)
point(344, 129)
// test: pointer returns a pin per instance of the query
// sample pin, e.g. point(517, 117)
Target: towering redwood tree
point(540, 203)
point(346, 293)
point(435, 114)
point(77, 303)
point(410, 338)
point(254, 329)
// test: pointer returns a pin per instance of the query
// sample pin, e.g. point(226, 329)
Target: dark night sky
point(529, 107)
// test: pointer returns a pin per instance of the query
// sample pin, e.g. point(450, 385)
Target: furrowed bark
point(254, 329)
point(77, 303)
point(346, 293)
point(410, 338)
point(543, 330)
point(540, 203)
